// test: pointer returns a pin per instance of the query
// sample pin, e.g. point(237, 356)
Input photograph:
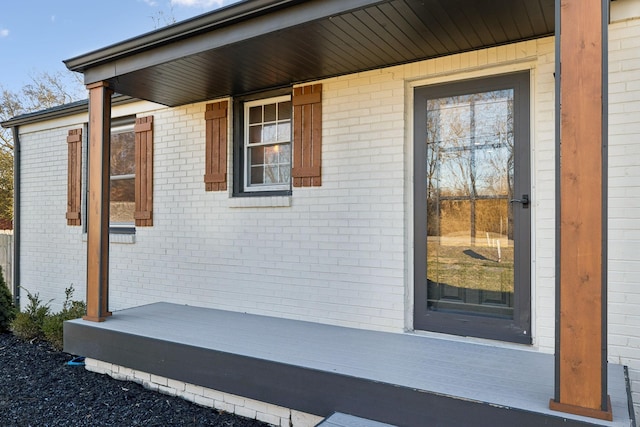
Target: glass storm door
point(472, 208)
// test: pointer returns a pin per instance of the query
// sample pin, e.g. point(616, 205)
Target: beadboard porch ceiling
point(400, 379)
point(259, 44)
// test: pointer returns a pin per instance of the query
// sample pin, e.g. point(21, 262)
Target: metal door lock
point(524, 200)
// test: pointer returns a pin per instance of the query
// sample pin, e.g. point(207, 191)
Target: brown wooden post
point(581, 109)
point(98, 202)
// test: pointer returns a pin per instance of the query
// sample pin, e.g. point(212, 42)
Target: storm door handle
point(524, 200)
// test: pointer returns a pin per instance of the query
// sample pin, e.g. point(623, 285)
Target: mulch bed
point(38, 388)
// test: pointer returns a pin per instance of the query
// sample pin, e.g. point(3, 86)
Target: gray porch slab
point(345, 420)
point(512, 378)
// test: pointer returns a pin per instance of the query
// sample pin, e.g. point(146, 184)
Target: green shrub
point(53, 325)
point(28, 324)
point(7, 308)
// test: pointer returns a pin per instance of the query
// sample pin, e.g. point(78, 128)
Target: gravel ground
point(38, 388)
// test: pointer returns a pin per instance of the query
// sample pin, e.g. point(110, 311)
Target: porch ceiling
point(260, 44)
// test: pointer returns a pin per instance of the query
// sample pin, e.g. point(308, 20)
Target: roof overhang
point(65, 110)
point(261, 44)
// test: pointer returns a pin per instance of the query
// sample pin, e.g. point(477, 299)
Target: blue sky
point(36, 35)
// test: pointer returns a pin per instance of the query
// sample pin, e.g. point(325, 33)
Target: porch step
point(339, 419)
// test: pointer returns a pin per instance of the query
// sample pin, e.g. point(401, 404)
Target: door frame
point(517, 329)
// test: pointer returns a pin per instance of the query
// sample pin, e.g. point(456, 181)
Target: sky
point(37, 35)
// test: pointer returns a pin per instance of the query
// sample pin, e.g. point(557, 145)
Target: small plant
point(7, 308)
point(53, 324)
point(28, 324)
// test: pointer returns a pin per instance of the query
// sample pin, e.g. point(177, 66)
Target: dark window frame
point(238, 144)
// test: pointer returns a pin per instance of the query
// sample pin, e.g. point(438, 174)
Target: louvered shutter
point(144, 171)
point(74, 176)
point(215, 176)
point(307, 136)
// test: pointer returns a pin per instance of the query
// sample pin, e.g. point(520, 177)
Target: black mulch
point(38, 388)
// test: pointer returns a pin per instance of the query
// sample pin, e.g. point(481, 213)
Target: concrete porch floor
point(400, 379)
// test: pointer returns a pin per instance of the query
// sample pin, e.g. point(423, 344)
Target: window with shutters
point(277, 143)
point(130, 175)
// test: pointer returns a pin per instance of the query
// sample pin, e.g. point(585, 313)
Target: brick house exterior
point(340, 253)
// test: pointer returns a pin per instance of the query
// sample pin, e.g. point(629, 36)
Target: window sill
point(118, 238)
point(260, 202)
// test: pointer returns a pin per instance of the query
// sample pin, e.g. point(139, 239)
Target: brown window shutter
point(144, 171)
point(307, 136)
point(215, 175)
point(74, 174)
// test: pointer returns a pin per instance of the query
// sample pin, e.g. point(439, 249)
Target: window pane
point(285, 174)
point(493, 174)
point(257, 173)
point(270, 113)
point(269, 133)
point(123, 190)
point(255, 134)
point(256, 156)
point(270, 164)
point(469, 184)
point(122, 206)
point(271, 175)
point(285, 153)
point(284, 110)
point(255, 114)
point(123, 153)
point(284, 131)
point(454, 173)
point(271, 154)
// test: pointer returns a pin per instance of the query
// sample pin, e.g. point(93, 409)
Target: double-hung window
point(122, 177)
point(277, 142)
point(267, 144)
point(130, 175)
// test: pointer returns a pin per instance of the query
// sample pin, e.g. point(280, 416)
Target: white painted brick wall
point(543, 196)
point(52, 254)
point(624, 200)
point(333, 254)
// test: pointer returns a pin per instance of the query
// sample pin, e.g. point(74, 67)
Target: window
point(267, 144)
point(277, 142)
point(122, 176)
point(130, 174)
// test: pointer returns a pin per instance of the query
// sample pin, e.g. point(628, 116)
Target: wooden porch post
point(98, 202)
point(581, 272)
